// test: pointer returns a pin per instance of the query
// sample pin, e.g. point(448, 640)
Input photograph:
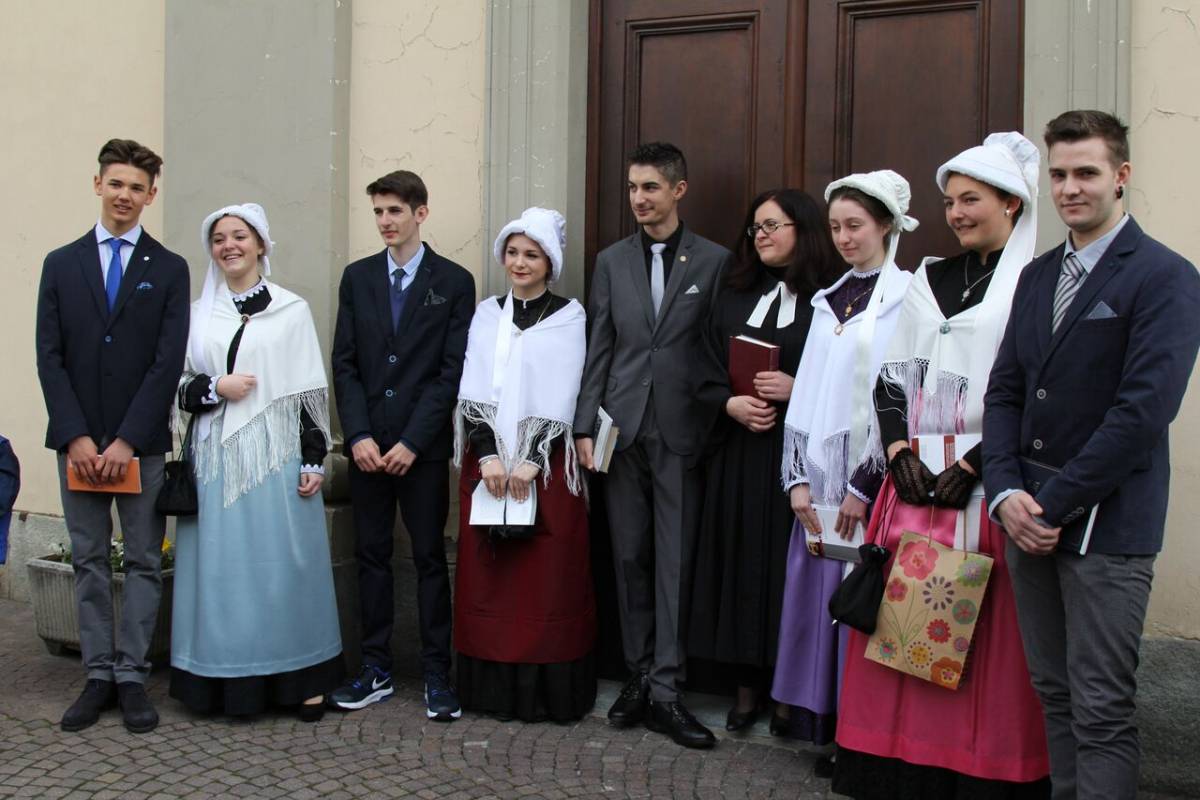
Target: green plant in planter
point(116, 555)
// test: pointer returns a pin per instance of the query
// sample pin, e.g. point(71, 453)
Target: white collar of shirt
point(1090, 254)
point(130, 237)
point(409, 269)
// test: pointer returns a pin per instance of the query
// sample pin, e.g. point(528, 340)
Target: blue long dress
point(255, 617)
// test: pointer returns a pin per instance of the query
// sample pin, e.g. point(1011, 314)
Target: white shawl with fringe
point(830, 427)
point(261, 432)
point(941, 366)
point(523, 385)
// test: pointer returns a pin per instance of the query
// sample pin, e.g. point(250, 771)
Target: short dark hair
point(406, 185)
point(873, 205)
point(815, 262)
point(127, 151)
point(1073, 126)
point(663, 156)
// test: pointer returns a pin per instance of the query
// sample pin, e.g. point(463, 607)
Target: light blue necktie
point(112, 281)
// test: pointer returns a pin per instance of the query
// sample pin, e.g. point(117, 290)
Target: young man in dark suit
point(398, 350)
point(1091, 372)
point(112, 325)
point(651, 297)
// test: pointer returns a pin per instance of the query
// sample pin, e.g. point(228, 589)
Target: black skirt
point(560, 692)
point(869, 777)
point(254, 694)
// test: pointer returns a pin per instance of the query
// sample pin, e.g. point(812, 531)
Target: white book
point(605, 442)
point(827, 543)
point(488, 510)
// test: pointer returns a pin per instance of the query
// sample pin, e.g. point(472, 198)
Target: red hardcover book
point(747, 358)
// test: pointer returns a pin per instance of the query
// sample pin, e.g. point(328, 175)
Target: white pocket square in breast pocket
point(693, 289)
point(1101, 311)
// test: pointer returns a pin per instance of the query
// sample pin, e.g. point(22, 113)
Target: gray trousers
point(89, 522)
point(653, 502)
point(1081, 622)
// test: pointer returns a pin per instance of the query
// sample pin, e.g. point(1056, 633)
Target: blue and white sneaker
point(441, 701)
point(371, 686)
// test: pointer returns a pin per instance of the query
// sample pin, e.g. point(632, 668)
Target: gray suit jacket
point(630, 351)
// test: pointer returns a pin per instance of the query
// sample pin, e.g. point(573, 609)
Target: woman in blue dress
point(255, 619)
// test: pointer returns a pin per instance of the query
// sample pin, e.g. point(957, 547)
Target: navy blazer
point(1096, 397)
point(402, 385)
point(112, 375)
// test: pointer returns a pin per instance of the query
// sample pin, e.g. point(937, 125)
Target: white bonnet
point(254, 216)
point(886, 186)
point(545, 226)
point(1007, 161)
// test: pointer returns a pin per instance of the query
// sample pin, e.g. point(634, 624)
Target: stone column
point(537, 125)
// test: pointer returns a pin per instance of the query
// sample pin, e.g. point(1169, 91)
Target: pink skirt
point(992, 726)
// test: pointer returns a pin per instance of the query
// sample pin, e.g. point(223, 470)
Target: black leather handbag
point(177, 497)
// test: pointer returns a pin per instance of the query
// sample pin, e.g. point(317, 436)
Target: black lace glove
point(912, 479)
point(953, 487)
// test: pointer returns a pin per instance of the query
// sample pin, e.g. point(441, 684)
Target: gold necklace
point(837, 329)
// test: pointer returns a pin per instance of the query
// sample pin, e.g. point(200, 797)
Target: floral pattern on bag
point(917, 559)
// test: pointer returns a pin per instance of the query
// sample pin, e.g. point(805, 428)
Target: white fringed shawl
point(523, 385)
point(261, 432)
point(830, 427)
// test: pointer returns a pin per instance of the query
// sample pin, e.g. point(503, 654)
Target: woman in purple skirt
point(832, 464)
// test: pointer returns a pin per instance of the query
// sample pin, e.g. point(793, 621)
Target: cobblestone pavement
point(388, 750)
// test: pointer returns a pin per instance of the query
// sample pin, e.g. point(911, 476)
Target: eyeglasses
point(768, 227)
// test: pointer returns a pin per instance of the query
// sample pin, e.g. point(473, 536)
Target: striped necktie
point(1070, 279)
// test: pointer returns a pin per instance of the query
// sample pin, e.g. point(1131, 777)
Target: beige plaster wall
point(66, 88)
point(1165, 123)
point(417, 102)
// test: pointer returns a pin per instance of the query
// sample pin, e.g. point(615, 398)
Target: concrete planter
point(52, 593)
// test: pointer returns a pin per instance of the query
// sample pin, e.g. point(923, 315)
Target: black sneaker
point(441, 702)
point(371, 686)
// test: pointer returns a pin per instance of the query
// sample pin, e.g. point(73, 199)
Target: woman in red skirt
point(524, 612)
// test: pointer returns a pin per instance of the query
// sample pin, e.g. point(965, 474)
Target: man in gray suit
point(650, 302)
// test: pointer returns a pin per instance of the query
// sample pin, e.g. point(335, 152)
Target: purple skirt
point(811, 647)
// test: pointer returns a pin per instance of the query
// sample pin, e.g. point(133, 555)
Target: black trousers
point(423, 496)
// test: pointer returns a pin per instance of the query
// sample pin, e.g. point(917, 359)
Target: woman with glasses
point(900, 736)
point(785, 256)
point(829, 468)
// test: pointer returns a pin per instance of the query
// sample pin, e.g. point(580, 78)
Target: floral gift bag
point(930, 605)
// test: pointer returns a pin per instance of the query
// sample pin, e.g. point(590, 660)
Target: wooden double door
point(767, 93)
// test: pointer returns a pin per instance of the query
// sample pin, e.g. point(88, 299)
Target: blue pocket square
point(1101, 311)
point(432, 299)
point(144, 285)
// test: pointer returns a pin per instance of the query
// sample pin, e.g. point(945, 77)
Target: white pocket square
point(1101, 311)
point(693, 290)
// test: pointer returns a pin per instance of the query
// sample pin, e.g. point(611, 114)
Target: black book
point(1075, 537)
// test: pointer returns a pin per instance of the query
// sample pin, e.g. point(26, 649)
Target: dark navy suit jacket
point(1096, 397)
point(402, 385)
point(109, 375)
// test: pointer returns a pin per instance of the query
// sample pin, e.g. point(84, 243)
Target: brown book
point(130, 484)
point(747, 358)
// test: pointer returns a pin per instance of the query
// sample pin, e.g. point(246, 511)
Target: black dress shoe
point(312, 712)
point(97, 696)
point(824, 766)
point(677, 722)
point(740, 720)
point(630, 706)
point(780, 725)
point(136, 708)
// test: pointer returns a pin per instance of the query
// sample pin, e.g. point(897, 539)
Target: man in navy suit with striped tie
point(1091, 372)
point(112, 325)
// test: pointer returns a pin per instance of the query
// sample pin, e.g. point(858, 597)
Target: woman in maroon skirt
point(524, 612)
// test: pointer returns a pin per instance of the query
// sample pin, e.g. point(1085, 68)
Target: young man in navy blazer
point(1091, 372)
point(112, 326)
point(398, 351)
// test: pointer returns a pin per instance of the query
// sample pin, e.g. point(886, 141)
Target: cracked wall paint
point(416, 102)
point(1165, 134)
